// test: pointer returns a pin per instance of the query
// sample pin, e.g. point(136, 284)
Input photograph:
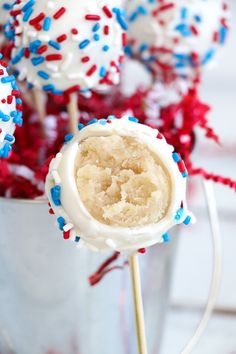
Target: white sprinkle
point(111, 244)
point(56, 177)
point(68, 227)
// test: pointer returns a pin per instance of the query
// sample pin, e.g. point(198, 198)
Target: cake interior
point(121, 181)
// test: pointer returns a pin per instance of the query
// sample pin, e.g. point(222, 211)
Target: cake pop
point(117, 185)
point(10, 109)
point(68, 46)
point(177, 37)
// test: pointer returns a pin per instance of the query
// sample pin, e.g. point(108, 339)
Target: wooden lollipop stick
point(73, 111)
point(138, 304)
point(39, 98)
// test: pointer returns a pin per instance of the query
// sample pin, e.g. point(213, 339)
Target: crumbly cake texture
point(121, 182)
point(117, 185)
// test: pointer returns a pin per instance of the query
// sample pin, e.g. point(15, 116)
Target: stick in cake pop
point(10, 109)
point(66, 47)
point(176, 37)
point(118, 185)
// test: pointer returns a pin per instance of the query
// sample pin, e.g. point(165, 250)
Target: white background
point(193, 263)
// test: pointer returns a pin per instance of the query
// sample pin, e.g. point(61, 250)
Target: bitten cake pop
point(117, 185)
point(68, 46)
point(10, 109)
point(176, 37)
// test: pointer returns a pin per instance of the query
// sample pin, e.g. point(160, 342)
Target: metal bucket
point(46, 303)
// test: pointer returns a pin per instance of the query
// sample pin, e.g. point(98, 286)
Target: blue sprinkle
point(18, 120)
point(187, 220)
point(143, 47)
point(37, 60)
point(33, 47)
point(49, 88)
point(56, 195)
point(184, 13)
point(176, 157)
point(185, 174)
point(198, 18)
point(7, 79)
point(43, 75)
point(47, 23)
point(28, 5)
point(133, 17)
point(68, 138)
point(96, 27)
point(54, 44)
point(77, 239)
point(61, 222)
point(96, 37)
point(179, 214)
point(142, 10)
point(223, 34)
point(93, 121)
point(120, 19)
point(5, 150)
point(80, 126)
point(166, 237)
point(128, 50)
point(10, 138)
point(84, 44)
point(133, 119)
point(105, 48)
point(27, 15)
point(184, 30)
point(102, 121)
point(103, 71)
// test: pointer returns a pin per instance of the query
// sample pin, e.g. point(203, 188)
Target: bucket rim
point(24, 201)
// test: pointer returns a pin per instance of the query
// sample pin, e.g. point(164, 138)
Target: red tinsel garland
point(31, 150)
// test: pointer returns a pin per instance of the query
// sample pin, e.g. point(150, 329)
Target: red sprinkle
point(92, 17)
point(53, 57)
point(37, 19)
point(62, 38)
point(106, 30)
point(85, 59)
point(92, 70)
point(107, 12)
point(59, 13)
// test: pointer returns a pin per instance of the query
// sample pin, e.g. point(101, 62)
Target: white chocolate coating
point(179, 36)
point(78, 220)
point(10, 114)
point(83, 46)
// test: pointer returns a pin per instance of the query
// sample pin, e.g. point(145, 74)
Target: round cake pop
point(10, 109)
point(67, 46)
point(117, 185)
point(176, 37)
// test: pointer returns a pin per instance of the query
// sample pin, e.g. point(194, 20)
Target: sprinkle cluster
point(68, 46)
point(10, 109)
point(176, 36)
point(181, 216)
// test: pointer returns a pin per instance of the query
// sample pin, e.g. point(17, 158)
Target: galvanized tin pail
point(46, 303)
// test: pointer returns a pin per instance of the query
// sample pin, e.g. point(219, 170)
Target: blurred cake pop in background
point(176, 38)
